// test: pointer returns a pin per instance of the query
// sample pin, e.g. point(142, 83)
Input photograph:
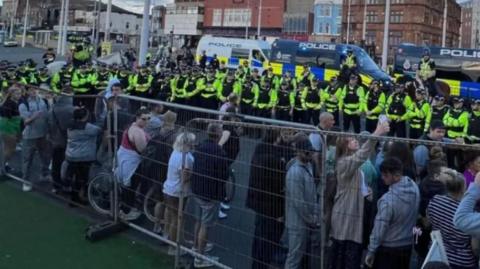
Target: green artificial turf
point(37, 233)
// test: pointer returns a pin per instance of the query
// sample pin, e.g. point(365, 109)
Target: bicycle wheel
point(100, 193)
point(152, 202)
point(230, 186)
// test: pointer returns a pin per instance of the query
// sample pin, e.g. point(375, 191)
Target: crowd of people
point(376, 194)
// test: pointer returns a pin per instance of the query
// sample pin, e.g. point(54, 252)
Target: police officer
point(439, 108)
point(283, 102)
point(102, 78)
point(374, 105)
point(247, 96)
point(313, 103)
point(178, 86)
point(348, 66)
point(262, 101)
point(307, 76)
point(426, 73)
point(351, 104)
point(140, 83)
point(256, 78)
point(246, 67)
point(289, 79)
point(228, 86)
point(82, 84)
point(298, 109)
point(208, 89)
point(221, 71)
point(330, 96)
point(473, 131)
point(270, 78)
point(42, 78)
point(420, 115)
point(397, 107)
point(456, 120)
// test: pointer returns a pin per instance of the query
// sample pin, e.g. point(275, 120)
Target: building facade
point(327, 25)
point(475, 24)
point(185, 18)
point(413, 21)
point(298, 19)
point(239, 18)
point(466, 30)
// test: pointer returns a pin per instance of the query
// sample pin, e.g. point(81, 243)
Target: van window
point(257, 55)
point(240, 53)
point(317, 58)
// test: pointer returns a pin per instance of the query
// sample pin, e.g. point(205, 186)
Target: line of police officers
point(286, 97)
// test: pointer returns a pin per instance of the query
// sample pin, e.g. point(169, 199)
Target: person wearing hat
point(208, 89)
point(352, 98)
point(262, 101)
point(247, 95)
point(420, 114)
point(229, 85)
point(396, 109)
point(283, 102)
point(140, 83)
point(311, 96)
point(298, 110)
point(82, 85)
point(306, 76)
point(330, 96)
point(221, 71)
point(473, 131)
point(42, 77)
point(301, 206)
point(456, 120)
point(289, 79)
point(102, 76)
point(271, 78)
point(246, 68)
point(374, 105)
point(439, 107)
point(348, 66)
point(256, 76)
point(426, 72)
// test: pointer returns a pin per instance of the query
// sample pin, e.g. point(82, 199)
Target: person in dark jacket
point(60, 119)
point(203, 60)
point(266, 197)
point(210, 172)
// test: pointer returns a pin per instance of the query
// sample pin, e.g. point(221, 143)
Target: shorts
point(206, 212)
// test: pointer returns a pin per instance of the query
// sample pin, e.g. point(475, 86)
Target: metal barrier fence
point(255, 174)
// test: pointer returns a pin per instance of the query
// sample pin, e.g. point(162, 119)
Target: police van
point(324, 60)
point(457, 69)
point(234, 51)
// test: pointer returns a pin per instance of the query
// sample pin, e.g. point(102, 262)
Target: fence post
point(323, 185)
point(115, 206)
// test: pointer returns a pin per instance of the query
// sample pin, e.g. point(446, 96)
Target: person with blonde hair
point(441, 212)
point(177, 183)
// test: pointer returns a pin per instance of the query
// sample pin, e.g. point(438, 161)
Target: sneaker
point(132, 215)
point(208, 247)
point(26, 187)
point(222, 215)
point(201, 263)
point(225, 206)
point(172, 251)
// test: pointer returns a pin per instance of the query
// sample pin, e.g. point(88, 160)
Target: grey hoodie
point(38, 128)
point(60, 119)
point(301, 207)
point(396, 216)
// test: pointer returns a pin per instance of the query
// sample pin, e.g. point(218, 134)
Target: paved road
point(18, 54)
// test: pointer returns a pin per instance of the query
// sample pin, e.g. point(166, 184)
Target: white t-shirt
point(172, 186)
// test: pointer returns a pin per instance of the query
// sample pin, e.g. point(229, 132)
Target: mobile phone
point(382, 119)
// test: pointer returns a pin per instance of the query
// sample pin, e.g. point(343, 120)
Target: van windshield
point(365, 63)
point(267, 53)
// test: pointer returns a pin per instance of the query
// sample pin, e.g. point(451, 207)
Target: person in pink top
point(134, 142)
point(472, 166)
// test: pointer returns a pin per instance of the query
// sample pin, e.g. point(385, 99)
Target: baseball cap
point(458, 100)
point(437, 124)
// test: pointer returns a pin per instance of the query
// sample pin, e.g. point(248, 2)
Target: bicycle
point(100, 192)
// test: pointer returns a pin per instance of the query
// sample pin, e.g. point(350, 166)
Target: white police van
point(234, 51)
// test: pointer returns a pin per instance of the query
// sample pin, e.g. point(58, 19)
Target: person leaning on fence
point(210, 172)
point(391, 239)
point(267, 198)
point(176, 185)
point(134, 142)
point(60, 120)
point(441, 211)
point(348, 209)
point(301, 205)
point(467, 219)
point(80, 153)
point(34, 112)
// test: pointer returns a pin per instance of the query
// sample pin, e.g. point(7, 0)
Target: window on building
point(395, 38)
point(370, 37)
point(127, 25)
point(371, 16)
point(325, 10)
point(397, 1)
point(217, 17)
point(396, 16)
point(327, 28)
point(376, 2)
point(237, 17)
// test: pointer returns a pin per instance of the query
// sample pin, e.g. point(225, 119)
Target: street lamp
point(259, 23)
point(364, 31)
point(25, 21)
point(444, 32)
point(145, 33)
point(386, 35)
point(348, 22)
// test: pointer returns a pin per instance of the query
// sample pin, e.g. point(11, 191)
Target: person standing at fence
point(60, 120)
point(373, 106)
point(348, 209)
point(34, 112)
point(467, 219)
point(441, 211)
point(80, 153)
point(266, 197)
point(134, 142)
point(326, 123)
point(179, 170)
point(391, 239)
point(301, 205)
point(10, 126)
point(351, 102)
point(397, 107)
point(210, 171)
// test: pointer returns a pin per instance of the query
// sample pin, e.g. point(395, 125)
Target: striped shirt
point(440, 212)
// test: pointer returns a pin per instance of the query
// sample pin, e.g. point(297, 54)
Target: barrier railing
point(265, 219)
